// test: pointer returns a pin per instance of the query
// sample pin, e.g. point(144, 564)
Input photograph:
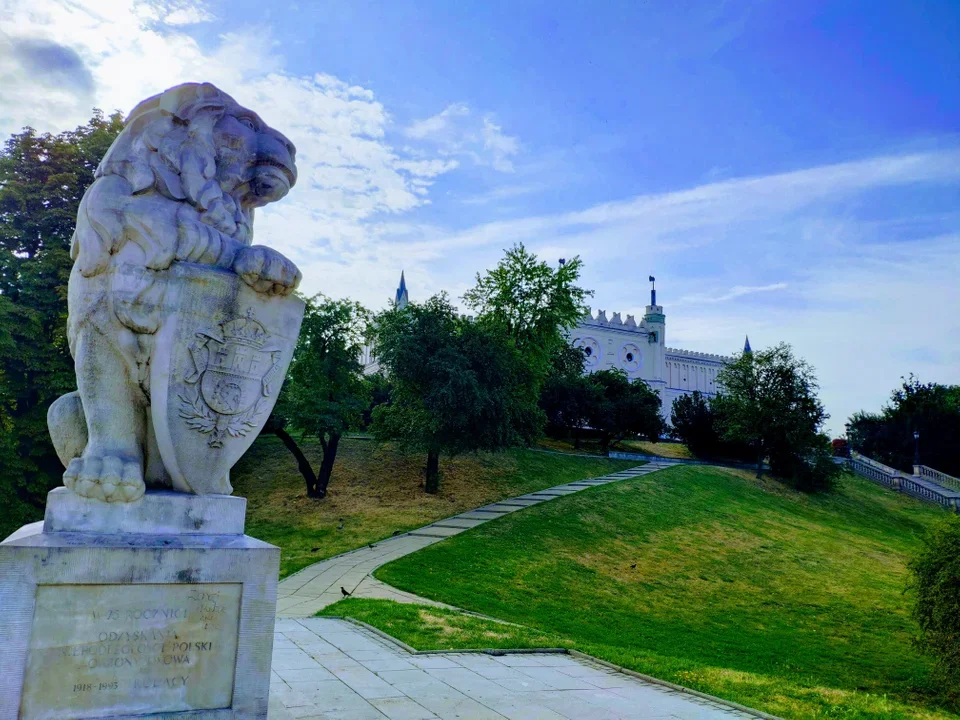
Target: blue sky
point(789, 170)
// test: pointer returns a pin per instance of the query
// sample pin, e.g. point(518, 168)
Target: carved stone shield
point(221, 355)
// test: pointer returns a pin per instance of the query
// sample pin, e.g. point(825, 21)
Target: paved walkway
point(313, 588)
point(332, 669)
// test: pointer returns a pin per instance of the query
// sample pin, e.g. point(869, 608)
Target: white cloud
point(734, 292)
point(500, 146)
point(348, 172)
point(441, 127)
point(456, 131)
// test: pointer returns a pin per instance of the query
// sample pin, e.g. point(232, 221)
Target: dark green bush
point(936, 583)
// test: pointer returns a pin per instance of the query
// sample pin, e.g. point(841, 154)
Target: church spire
point(402, 298)
point(746, 346)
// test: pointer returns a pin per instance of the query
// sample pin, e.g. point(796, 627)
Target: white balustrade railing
point(948, 496)
point(870, 470)
point(940, 478)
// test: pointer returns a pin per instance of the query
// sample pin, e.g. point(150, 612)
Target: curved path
point(313, 588)
point(331, 668)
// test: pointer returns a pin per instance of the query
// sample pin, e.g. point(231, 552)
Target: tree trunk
point(326, 466)
point(576, 438)
point(302, 463)
point(433, 472)
point(760, 463)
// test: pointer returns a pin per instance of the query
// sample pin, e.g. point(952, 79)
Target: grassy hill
point(377, 490)
point(747, 590)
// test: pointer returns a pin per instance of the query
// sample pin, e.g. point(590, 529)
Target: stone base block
point(115, 627)
point(158, 512)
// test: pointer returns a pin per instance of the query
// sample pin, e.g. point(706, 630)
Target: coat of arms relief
point(234, 365)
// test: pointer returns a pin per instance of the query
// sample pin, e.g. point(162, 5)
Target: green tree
point(569, 397)
point(931, 409)
point(769, 401)
point(936, 583)
point(626, 409)
point(325, 393)
point(42, 179)
point(379, 389)
point(534, 303)
point(458, 385)
point(695, 424)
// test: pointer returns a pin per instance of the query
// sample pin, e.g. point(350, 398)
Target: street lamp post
point(916, 452)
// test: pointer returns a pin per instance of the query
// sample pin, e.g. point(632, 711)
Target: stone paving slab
point(460, 522)
point(329, 668)
point(437, 531)
point(481, 515)
point(499, 507)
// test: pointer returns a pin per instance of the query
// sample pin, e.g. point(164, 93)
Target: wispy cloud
point(457, 131)
point(734, 292)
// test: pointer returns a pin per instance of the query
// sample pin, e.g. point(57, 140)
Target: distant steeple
point(746, 346)
point(402, 298)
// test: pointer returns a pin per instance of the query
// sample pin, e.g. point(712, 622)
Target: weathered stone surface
point(131, 649)
point(63, 594)
point(181, 331)
point(158, 512)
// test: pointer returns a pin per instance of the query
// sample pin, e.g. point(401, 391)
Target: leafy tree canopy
point(769, 401)
point(42, 179)
point(936, 583)
point(535, 303)
point(931, 409)
point(458, 385)
point(626, 409)
point(569, 397)
point(325, 393)
point(697, 423)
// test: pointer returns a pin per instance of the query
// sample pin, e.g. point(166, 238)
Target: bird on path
point(344, 592)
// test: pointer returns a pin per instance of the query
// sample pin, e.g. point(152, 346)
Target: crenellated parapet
point(616, 321)
point(692, 355)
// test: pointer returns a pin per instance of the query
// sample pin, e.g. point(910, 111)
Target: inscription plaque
point(104, 650)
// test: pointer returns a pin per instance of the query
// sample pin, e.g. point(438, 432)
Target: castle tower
point(655, 322)
point(402, 298)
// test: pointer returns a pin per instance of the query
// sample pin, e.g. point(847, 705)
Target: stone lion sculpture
point(179, 185)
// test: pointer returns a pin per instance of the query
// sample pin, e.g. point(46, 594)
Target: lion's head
point(196, 144)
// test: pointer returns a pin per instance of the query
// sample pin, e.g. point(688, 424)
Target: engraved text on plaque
point(102, 650)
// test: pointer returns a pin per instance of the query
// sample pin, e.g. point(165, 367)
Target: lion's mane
point(166, 147)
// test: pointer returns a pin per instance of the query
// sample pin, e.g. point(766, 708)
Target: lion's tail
point(68, 427)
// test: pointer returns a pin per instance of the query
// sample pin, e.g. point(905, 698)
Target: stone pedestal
point(160, 607)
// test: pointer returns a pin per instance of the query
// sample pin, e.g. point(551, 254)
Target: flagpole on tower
point(653, 290)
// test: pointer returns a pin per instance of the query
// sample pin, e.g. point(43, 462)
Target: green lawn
point(788, 603)
point(377, 491)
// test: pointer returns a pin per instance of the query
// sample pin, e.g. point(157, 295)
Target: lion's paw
point(106, 478)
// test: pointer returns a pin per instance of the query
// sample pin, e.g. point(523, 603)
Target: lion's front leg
point(111, 466)
point(266, 270)
point(260, 267)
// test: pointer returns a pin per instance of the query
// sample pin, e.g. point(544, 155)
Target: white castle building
point(639, 349)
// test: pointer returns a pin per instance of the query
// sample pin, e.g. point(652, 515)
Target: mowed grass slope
point(377, 491)
point(747, 590)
